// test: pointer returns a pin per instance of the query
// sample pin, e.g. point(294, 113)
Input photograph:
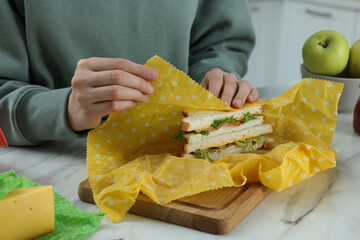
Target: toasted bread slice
point(198, 120)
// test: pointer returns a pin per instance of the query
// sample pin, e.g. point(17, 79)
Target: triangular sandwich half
point(213, 134)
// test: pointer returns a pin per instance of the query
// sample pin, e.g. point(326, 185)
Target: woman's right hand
point(101, 86)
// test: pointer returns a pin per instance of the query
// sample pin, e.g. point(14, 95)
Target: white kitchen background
point(282, 27)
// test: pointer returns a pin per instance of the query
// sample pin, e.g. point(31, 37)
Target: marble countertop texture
point(325, 206)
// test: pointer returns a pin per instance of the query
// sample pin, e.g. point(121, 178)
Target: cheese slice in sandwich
point(213, 134)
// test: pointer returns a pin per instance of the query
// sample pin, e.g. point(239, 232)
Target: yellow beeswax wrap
point(132, 151)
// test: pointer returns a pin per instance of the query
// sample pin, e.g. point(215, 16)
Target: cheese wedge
point(27, 213)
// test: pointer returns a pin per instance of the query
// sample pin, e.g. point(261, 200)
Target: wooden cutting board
point(216, 212)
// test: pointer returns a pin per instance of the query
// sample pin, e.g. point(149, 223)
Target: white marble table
point(326, 206)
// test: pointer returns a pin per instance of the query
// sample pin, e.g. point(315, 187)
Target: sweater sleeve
point(222, 37)
point(29, 114)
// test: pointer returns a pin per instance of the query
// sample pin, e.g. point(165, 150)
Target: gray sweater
point(41, 42)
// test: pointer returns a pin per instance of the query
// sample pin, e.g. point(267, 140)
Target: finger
point(118, 77)
point(103, 64)
point(204, 84)
point(104, 108)
point(242, 94)
point(230, 88)
point(115, 93)
point(215, 81)
point(253, 95)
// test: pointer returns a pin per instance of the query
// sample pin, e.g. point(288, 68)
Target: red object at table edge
point(3, 142)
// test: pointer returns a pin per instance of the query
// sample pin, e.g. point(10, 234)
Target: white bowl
point(350, 93)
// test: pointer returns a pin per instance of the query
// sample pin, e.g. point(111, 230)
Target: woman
point(66, 64)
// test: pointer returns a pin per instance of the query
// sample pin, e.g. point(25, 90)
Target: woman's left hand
point(228, 88)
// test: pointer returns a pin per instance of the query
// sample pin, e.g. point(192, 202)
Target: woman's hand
point(101, 86)
point(227, 87)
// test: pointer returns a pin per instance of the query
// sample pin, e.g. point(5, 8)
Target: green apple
point(354, 60)
point(326, 53)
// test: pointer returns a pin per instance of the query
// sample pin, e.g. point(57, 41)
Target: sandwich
point(213, 134)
